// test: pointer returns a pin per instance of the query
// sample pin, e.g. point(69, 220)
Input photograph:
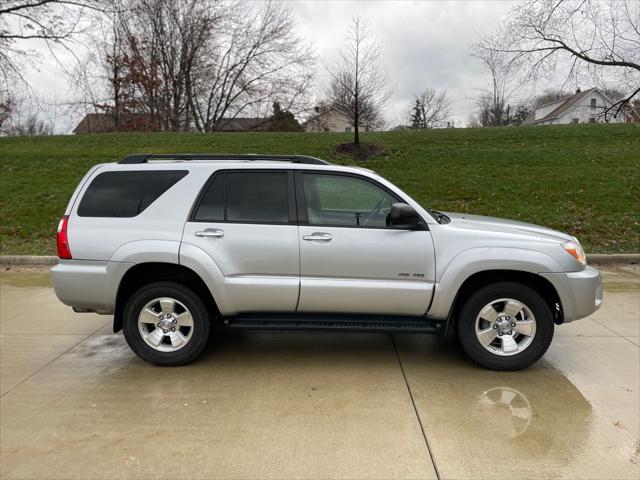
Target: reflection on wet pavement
point(506, 408)
point(530, 424)
point(77, 403)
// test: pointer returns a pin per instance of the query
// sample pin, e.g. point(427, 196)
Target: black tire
point(201, 324)
point(524, 294)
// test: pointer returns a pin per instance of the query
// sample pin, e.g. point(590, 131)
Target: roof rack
point(251, 157)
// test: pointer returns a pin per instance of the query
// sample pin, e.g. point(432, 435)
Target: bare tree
point(430, 109)
point(107, 78)
point(547, 96)
point(29, 127)
point(614, 94)
point(25, 24)
point(254, 59)
point(28, 115)
point(166, 45)
point(7, 109)
point(54, 22)
point(493, 102)
point(594, 37)
point(118, 66)
point(189, 64)
point(358, 84)
point(491, 112)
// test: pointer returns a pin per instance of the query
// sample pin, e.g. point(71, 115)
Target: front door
point(245, 220)
point(350, 260)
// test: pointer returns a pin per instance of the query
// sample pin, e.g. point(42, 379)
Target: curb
point(28, 260)
point(612, 258)
point(597, 258)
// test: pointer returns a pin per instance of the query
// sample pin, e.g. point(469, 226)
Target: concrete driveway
point(76, 403)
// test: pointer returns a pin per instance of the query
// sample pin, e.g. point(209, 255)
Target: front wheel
point(166, 323)
point(505, 326)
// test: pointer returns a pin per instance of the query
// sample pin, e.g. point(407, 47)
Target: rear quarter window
point(126, 194)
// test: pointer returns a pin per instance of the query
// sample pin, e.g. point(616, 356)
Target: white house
point(582, 107)
point(330, 120)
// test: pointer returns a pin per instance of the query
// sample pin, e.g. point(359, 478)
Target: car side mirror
point(403, 215)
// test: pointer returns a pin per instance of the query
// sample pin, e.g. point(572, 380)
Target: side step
point(349, 323)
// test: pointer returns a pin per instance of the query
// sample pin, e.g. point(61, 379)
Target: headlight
point(574, 249)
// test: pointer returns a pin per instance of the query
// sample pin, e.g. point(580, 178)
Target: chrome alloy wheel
point(165, 324)
point(505, 326)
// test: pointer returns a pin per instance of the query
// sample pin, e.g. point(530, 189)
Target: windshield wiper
point(439, 216)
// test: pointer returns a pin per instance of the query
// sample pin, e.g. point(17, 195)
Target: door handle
point(210, 232)
point(317, 237)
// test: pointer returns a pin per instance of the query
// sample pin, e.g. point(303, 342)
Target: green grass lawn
point(581, 179)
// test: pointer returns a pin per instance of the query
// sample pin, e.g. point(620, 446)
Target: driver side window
point(340, 200)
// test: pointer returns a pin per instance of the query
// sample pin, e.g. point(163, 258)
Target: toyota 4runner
point(175, 246)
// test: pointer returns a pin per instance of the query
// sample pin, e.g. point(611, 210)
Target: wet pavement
point(77, 403)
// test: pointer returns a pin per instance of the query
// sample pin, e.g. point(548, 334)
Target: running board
point(349, 323)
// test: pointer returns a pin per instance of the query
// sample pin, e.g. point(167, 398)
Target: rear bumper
point(580, 293)
point(88, 285)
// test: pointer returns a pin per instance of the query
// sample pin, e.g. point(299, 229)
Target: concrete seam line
point(601, 258)
point(415, 408)
point(53, 360)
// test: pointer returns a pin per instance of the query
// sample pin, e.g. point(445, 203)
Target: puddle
point(336, 394)
point(534, 423)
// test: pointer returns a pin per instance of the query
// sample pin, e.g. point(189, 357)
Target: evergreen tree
point(283, 120)
point(416, 115)
point(522, 113)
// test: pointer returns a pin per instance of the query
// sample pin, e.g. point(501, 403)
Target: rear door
point(246, 221)
point(350, 260)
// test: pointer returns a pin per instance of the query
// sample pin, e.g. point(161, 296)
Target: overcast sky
point(424, 44)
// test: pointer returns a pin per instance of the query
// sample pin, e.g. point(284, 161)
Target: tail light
point(63, 241)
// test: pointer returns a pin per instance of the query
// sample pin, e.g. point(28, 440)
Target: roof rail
point(251, 157)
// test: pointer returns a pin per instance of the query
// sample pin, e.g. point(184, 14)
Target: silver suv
point(175, 246)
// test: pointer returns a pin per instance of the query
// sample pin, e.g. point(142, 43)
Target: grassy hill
point(582, 179)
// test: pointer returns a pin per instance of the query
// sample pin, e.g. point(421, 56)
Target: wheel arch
point(144, 273)
point(479, 279)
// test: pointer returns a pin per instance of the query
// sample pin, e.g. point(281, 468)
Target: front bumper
point(580, 292)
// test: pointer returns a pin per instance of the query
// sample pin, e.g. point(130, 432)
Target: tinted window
point(126, 194)
point(344, 200)
point(257, 197)
point(211, 207)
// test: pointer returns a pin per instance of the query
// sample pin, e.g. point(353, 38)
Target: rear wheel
point(166, 323)
point(505, 326)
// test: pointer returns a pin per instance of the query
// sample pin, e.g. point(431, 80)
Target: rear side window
point(126, 194)
point(257, 197)
point(246, 197)
point(212, 205)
